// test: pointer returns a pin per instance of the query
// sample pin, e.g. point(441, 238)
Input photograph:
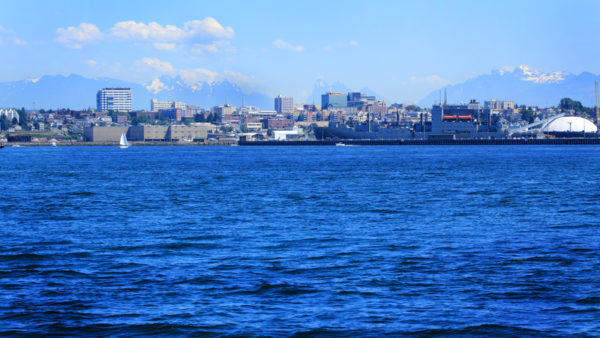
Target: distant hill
point(523, 85)
point(77, 92)
point(322, 87)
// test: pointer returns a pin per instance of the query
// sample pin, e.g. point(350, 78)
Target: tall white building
point(156, 105)
point(115, 99)
point(10, 113)
point(284, 104)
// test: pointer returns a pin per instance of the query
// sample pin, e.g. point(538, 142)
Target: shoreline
point(556, 141)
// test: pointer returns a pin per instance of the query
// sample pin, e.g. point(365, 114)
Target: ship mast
point(597, 110)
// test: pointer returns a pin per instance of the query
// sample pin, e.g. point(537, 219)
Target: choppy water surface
point(354, 241)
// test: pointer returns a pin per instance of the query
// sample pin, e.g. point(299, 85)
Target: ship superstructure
point(466, 121)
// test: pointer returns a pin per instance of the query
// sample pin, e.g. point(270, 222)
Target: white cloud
point(74, 37)
point(206, 34)
point(156, 86)
point(9, 37)
point(287, 46)
point(164, 46)
point(91, 63)
point(431, 79)
point(160, 66)
point(340, 44)
point(193, 76)
point(247, 83)
point(204, 30)
point(208, 28)
point(213, 47)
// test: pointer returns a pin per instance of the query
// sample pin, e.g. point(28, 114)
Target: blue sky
point(400, 49)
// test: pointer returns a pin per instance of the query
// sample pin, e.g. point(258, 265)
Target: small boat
point(123, 143)
point(53, 144)
point(340, 144)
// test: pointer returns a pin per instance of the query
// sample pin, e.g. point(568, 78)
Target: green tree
point(568, 104)
point(5, 123)
point(527, 115)
point(23, 117)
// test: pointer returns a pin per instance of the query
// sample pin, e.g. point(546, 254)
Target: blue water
point(272, 241)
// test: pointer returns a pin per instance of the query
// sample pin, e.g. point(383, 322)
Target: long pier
point(464, 142)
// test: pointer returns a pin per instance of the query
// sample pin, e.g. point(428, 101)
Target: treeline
point(6, 123)
point(212, 117)
point(568, 104)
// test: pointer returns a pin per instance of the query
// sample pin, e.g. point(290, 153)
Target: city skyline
point(401, 51)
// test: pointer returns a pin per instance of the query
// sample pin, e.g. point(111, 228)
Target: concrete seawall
point(557, 141)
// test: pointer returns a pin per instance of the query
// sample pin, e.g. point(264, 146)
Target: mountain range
point(522, 84)
point(77, 92)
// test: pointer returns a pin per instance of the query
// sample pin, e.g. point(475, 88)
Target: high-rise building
point(115, 99)
point(333, 99)
point(284, 104)
point(358, 99)
point(10, 113)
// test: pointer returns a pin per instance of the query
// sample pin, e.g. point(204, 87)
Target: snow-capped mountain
point(77, 92)
point(522, 84)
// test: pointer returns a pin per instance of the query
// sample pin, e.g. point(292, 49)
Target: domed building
point(569, 126)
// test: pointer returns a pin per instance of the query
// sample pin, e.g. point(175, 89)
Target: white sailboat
point(123, 143)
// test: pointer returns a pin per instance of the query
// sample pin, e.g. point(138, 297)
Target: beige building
point(174, 132)
point(147, 133)
point(103, 134)
point(188, 133)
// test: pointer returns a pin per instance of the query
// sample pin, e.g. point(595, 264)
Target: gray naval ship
point(373, 131)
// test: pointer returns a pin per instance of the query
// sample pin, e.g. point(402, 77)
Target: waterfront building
point(114, 99)
point(103, 134)
point(284, 135)
point(333, 99)
point(189, 133)
point(173, 132)
point(569, 126)
point(147, 133)
point(284, 105)
point(278, 123)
